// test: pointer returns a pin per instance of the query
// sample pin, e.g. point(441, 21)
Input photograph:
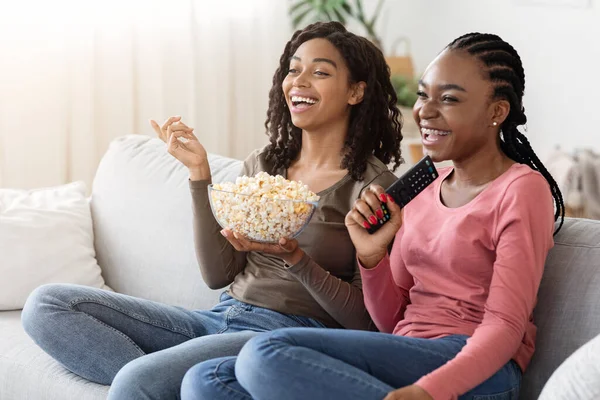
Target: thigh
point(150, 325)
point(159, 375)
point(394, 360)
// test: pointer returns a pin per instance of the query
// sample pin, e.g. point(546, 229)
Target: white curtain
point(75, 74)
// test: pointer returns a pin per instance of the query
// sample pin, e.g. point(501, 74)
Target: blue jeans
point(333, 364)
point(141, 347)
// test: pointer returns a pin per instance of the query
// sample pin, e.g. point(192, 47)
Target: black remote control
point(407, 187)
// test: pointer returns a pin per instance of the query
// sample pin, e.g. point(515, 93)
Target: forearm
point(342, 300)
point(219, 262)
point(486, 352)
point(384, 299)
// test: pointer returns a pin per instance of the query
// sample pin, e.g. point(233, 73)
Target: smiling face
point(318, 88)
point(455, 110)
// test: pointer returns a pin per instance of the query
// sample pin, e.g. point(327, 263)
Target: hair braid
point(505, 70)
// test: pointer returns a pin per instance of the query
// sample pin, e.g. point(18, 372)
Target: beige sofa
point(143, 240)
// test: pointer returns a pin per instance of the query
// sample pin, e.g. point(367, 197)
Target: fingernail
point(224, 233)
point(379, 214)
point(366, 225)
point(235, 235)
point(390, 198)
point(383, 198)
point(373, 220)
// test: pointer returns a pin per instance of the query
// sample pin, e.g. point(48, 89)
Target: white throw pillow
point(46, 236)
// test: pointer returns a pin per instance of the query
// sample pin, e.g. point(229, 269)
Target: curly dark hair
point(375, 123)
point(504, 69)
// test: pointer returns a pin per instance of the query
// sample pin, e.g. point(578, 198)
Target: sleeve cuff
point(385, 261)
point(437, 392)
point(196, 185)
point(299, 265)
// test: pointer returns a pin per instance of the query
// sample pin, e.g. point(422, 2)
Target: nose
point(301, 80)
point(427, 109)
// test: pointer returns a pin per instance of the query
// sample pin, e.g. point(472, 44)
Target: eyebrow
point(317, 60)
point(447, 86)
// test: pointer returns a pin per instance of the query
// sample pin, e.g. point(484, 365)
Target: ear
point(357, 92)
point(499, 111)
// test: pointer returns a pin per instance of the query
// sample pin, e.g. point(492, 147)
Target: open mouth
point(433, 135)
point(303, 103)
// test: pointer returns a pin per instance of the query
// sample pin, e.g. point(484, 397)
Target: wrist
point(294, 257)
point(370, 261)
point(201, 173)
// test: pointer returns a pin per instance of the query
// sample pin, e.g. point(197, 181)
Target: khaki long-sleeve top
point(324, 285)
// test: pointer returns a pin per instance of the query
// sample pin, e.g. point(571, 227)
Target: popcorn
point(263, 208)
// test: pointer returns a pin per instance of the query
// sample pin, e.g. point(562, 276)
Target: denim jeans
point(332, 364)
point(141, 347)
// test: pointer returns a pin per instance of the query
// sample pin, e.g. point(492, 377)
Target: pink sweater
point(472, 270)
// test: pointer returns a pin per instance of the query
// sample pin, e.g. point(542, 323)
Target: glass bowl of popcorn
point(263, 208)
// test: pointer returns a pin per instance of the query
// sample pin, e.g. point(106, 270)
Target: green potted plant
point(406, 91)
point(304, 12)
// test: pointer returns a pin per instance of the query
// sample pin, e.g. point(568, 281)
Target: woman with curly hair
point(334, 125)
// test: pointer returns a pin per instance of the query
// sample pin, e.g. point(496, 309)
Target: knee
point(258, 358)
point(39, 304)
point(253, 353)
point(194, 382)
point(260, 349)
point(138, 379)
point(208, 379)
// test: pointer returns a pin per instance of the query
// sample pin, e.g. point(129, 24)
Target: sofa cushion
point(27, 373)
point(142, 212)
point(566, 314)
point(46, 236)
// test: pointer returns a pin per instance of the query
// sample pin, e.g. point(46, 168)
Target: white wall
point(559, 46)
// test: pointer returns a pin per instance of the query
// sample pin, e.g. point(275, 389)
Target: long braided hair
point(505, 70)
point(375, 123)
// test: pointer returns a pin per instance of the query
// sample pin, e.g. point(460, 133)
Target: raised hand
point(189, 151)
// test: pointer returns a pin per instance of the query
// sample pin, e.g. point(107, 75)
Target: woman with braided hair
point(453, 299)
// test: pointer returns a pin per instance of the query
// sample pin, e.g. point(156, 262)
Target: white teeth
point(297, 99)
point(428, 131)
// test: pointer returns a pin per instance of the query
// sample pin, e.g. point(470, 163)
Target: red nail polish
point(390, 198)
point(383, 198)
point(366, 225)
point(379, 214)
point(373, 220)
